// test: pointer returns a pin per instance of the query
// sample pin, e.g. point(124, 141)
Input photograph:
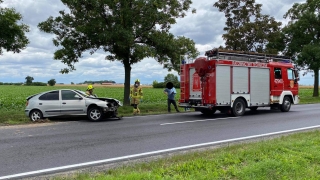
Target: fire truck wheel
point(239, 107)
point(286, 104)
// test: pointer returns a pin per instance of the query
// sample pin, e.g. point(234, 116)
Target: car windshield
point(81, 93)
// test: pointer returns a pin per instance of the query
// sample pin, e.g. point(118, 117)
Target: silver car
point(70, 102)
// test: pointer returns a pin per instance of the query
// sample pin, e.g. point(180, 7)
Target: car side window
point(69, 95)
point(53, 95)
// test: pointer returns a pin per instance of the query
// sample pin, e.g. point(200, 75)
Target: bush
point(37, 84)
point(52, 82)
point(163, 85)
point(159, 85)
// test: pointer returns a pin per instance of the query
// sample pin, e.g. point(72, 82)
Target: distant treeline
point(99, 82)
point(163, 84)
point(31, 84)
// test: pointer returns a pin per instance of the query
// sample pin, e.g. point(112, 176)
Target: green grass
point(295, 156)
point(306, 96)
point(13, 100)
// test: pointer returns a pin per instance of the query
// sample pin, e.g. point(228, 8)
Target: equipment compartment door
point(195, 85)
point(223, 85)
point(260, 86)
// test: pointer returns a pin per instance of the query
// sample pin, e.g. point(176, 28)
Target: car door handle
point(40, 103)
point(64, 103)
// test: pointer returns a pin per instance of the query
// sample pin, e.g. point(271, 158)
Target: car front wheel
point(95, 114)
point(36, 115)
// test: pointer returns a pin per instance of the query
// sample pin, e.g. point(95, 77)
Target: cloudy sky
point(205, 28)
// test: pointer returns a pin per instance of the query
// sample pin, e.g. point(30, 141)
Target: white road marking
point(182, 122)
point(39, 172)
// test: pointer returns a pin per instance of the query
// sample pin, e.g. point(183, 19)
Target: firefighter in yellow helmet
point(136, 95)
point(89, 90)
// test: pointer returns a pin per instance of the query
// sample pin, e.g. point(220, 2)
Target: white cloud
point(205, 28)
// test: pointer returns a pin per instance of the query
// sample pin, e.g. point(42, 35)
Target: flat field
point(14, 97)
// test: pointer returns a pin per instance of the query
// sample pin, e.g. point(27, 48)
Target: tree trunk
point(316, 83)
point(127, 76)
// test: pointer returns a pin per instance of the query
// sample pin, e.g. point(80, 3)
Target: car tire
point(36, 115)
point(238, 108)
point(95, 114)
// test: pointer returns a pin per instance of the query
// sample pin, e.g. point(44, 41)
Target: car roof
point(51, 91)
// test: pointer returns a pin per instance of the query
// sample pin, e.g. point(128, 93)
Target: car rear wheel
point(95, 114)
point(36, 115)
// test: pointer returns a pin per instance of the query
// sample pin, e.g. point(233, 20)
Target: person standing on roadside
point(136, 96)
point(170, 91)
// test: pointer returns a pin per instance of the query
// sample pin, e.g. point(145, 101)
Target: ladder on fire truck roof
point(245, 56)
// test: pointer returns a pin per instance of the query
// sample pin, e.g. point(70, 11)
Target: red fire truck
point(231, 81)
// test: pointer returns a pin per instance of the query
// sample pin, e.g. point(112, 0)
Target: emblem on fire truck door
point(196, 86)
point(278, 81)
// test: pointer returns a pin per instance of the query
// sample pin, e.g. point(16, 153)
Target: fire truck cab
point(231, 81)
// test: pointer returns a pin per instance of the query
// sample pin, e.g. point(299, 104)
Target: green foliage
point(38, 84)
point(171, 78)
point(300, 38)
point(246, 28)
point(16, 84)
point(154, 82)
point(99, 82)
point(168, 78)
point(29, 80)
point(12, 36)
point(159, 85)
point(128, 31)
point(52, 82)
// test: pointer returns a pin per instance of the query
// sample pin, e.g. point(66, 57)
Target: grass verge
point(295, 156)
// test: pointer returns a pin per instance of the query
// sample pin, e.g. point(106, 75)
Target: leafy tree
point(12, 36)
point(52, 82)
point(171, 78)
point(300, 38)
point(128, 31)
point(246, 28)
point(29, 80)
point(72, 83)
point(154, 82)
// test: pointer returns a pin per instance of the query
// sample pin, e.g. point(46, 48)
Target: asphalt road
point(34, 148)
